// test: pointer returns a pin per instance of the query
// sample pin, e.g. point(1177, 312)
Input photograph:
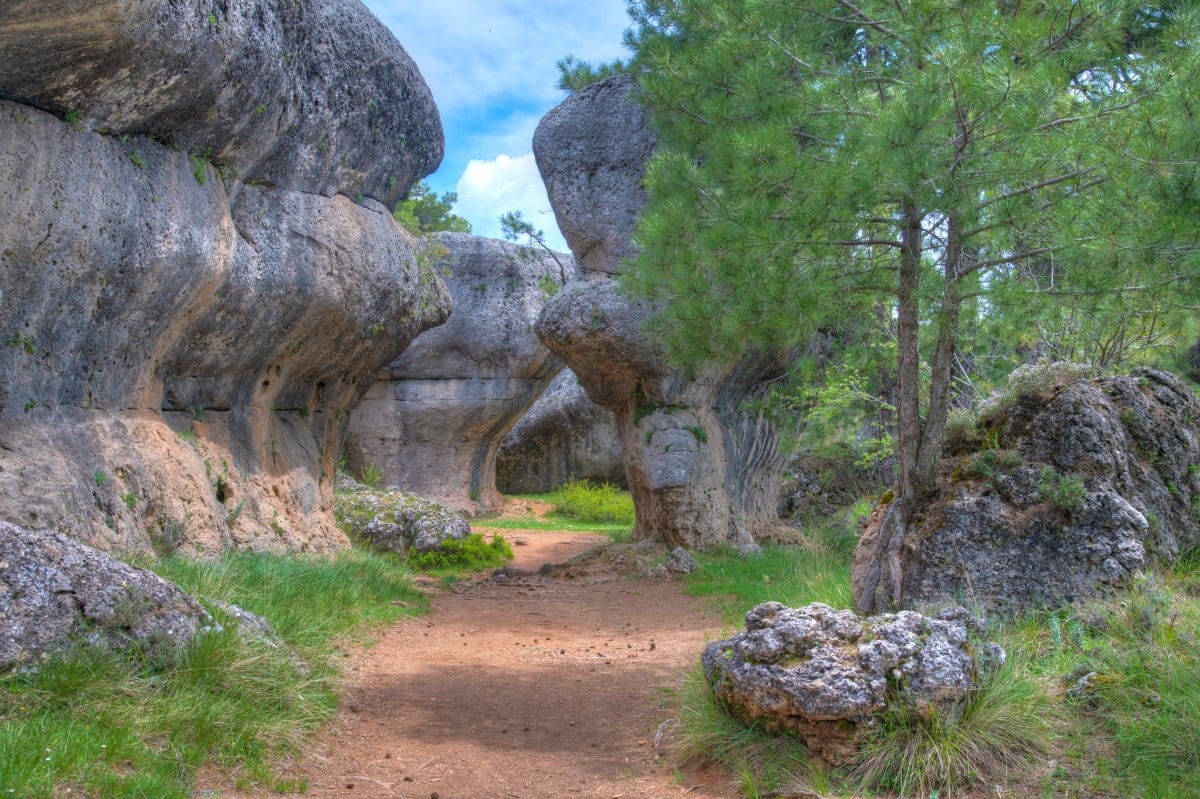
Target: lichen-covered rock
point(830, 676)
point(393, 521)
point(181, 356)
point(56, 592)
point(433, 421)
point(702, 470)
point(564, 437)
point(1092, 482)
point(681, 562)
point(314, 96)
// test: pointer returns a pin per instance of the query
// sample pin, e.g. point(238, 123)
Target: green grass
point(113, 725)
point(618, 531)
point(589, 502)
point(468, 554)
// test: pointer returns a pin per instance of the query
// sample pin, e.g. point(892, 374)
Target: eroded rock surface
point(1091, 483)
point(433, 421)
point(829, 676)
point(55, 591)
point(309, 95)
point(563, 437)
point(393, 521)
point(182, 347)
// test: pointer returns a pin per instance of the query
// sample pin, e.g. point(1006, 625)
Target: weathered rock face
point(393, 521)
point(564, 437)
point(1092, 482)
point(591, 152)
point(828, 675)
point(702, 470)
point(434, 420)
point(309, 95)
point(181, 348)
point(54, 590)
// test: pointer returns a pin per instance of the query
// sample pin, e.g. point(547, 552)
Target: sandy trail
point(533, 688)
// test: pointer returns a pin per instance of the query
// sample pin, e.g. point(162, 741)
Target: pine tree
point(817, 157)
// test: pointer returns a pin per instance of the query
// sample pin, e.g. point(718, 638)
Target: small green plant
point(991, 461)
point(212, 20)
point(1064, 492)
point(232, 516)
point(548, 285)
point(137, 159)
point(475, 493)
point(699, 432)
point(190, 437)
point(18, 340)
point(377, 328)
point(100, 477)
point(74, 118)
point(370, 475)
point(469, 554)
point(130, 500)
point(199, 162)
point(31, 403)
point(260, 109)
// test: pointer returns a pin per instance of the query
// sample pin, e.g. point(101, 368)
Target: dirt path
point(530, 688)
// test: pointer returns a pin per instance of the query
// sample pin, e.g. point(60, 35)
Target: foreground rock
point(829, 676)
point(392, 521)
point(1087, 485)
point(433, 422)
point(564, 437)
point(701, 469)
point(183, 346)
point(55, 592)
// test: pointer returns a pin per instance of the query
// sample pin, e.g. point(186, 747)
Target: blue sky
point(490, 66)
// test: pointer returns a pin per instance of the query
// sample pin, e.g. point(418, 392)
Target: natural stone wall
point(1086, 485)
point(434, 420)
point(182, 347)
point(564, 437)
point(702, 470)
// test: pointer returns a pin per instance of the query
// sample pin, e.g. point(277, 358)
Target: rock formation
point(1079, 489)
point(829, 676)
point(564, 437)
point(55, 591)
point(393, 521)
point(701, 468)
point(183, 341)
point(432, 423)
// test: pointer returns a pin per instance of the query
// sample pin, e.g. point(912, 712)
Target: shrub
point(370, 475)
point(469, 554)
point(1033, 379)
point(583, 499)
point(1062, 491)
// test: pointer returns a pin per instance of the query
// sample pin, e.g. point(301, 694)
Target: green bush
point(467, 554)
point(1062, 491)
point(583, 499)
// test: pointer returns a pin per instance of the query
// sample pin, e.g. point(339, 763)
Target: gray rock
point(433, 422)
point(591, 152)
point(56, 593)
point(701, 469)
point(182, 356)
point(681, 562)
point(1126, 444)
point(250, 625)
point(393, 521)
point(310, 95)
point(563, 437)
point(829, 676)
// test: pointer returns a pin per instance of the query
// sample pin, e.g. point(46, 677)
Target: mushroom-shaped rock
point(830, 676)
point(55, 591)
point(186, 345)
point(564, 437)
point(433, 421)
point(701, 468)
point(1093, 482)
point(310, 95)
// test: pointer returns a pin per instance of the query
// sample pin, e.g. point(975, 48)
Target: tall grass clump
point(587, 501)
point(467, 554)
point(118, 725)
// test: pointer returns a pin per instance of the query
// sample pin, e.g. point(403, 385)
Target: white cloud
point(490, 188)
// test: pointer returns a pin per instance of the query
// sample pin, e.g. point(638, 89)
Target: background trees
point(945, 167)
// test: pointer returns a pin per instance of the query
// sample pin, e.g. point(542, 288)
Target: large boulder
point(1077, 489)
point(830, 676)
point(182, 346)
point(564, 437)
point(702, 468)
point(393, 521)
point(433, 421)
point(55, 592)
point(309, 95)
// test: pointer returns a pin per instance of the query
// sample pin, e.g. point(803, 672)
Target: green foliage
point(548, 285)
point(617, 531)
point(22, 341)
point(423, 211)
point(466, 554)
point(199, 162)
point(1064, 492)
point(516, 228)
point(105, 724)
point(100, 478)
point(137, 159)
point(74, 118)
point(130, 500)
point(589, 502)
point(987, 463)
point(370, 475)
point(575, 74)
